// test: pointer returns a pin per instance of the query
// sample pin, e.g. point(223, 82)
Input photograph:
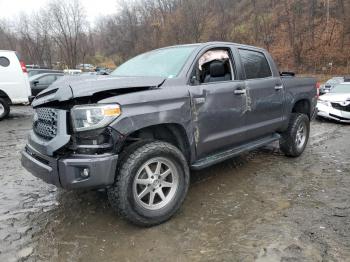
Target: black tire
point(6, 109)
point(288, 141)
point(121, 195)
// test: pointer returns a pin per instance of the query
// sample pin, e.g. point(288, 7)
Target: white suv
point(14, 84)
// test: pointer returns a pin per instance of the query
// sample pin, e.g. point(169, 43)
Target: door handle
point(278, 87)
point(199, 100)
point(239, 92)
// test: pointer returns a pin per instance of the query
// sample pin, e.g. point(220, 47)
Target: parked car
point(83, 67)
point(102, 71)
point(72, 71)
point(42, 81)
point(327, 87)
point(14, 84)
point(336, 104)
point(139, 131)
point(33, 72)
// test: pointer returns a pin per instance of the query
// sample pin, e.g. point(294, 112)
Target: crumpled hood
point(335, 97)
point(69, 87)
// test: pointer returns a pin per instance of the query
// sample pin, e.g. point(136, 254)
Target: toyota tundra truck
point(138, 132)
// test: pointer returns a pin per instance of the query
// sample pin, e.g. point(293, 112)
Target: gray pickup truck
point(139, 131)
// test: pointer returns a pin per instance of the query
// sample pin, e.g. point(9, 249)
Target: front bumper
point(332, 113)
point(66, 172)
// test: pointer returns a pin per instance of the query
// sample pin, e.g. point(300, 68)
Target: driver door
point(218, 111)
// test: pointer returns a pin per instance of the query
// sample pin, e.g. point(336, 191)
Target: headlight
point(93, 116)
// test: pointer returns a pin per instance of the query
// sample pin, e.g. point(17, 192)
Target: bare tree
point(34, 39)
point(68, 25)
point(8, 39)
point(295, 31)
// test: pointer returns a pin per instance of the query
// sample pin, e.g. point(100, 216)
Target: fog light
point(85, 173)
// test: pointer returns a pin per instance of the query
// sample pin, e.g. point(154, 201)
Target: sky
point(10, 9)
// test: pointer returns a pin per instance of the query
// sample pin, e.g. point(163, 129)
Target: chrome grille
point(45, 123)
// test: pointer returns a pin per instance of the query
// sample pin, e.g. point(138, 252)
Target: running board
point(222, 156)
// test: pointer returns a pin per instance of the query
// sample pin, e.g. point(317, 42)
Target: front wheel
point(4, 109)
point(151, 184)
point(294, 140)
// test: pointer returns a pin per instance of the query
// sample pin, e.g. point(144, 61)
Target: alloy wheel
point(301, 134)
point(2, 109)
point(156, 183)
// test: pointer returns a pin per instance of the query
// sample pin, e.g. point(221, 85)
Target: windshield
point(32, 73)
point(333, 81)
point(343, 88)
point(166, 62)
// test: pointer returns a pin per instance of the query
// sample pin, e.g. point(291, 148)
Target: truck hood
point(335, 97)
point(69, 87)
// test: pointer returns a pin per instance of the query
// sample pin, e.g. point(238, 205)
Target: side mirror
point(36, 82)
point(193, 81)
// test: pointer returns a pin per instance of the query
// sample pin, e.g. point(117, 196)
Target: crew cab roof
point(218, 43)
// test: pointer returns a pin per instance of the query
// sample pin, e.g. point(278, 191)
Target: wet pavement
point(261, 206)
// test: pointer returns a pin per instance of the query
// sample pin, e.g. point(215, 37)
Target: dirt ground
point(261, 206)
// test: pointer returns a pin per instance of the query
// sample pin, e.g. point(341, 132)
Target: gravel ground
point(261, 206)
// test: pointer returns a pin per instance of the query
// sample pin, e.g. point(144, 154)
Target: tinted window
point(255, 64)
point(4, 61)
point(47, 80)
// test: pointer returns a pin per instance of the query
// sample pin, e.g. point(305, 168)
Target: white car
point(72, 71)
point(14, 83)
point(335, 104)
point(330, 84)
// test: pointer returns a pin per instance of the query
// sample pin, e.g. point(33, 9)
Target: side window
point(255, 64)
point(47, 80)
point(214, 65)
point(4, 61)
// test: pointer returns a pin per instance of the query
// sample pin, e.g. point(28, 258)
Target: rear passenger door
point(264, 91)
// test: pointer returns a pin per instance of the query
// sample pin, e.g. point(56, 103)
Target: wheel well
point(302, 106)
point(172, 133)
point(5, 96)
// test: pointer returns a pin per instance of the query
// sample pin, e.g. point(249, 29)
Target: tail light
point(23, 66)
point(318, 85)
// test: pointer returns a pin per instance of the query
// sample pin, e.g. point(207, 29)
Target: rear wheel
point(151, 184)
point(294, 140)
point(4, 109)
